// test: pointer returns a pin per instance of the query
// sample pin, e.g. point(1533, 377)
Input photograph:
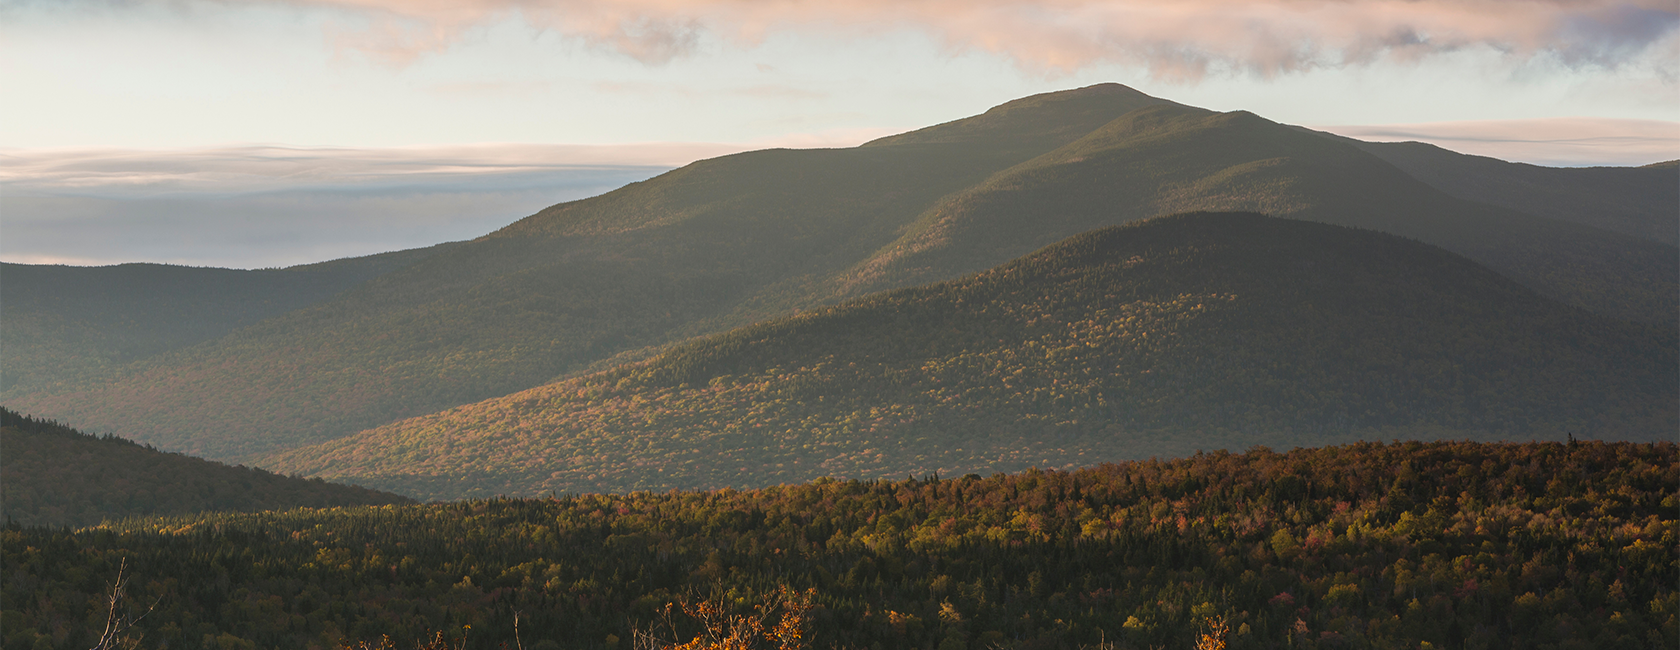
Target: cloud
point(249, 207)
point(1187, 39)
point(1556, 142)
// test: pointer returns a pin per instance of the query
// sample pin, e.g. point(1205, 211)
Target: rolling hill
point(732, 241)
point(1179, 333)
point(52, 475)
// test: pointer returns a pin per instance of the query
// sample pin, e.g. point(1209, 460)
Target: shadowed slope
point(1178, 333)
point(1639, 201)
point(65, 323)
point(52, 475)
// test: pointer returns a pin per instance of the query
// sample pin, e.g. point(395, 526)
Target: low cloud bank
point(256, 207)
point(1552, 142)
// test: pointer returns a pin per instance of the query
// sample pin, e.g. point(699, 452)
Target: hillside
point(1410, 545)
point(1157, 338)
point(573, 285)
point(51, 475)
point(1168, 158)
point(1638, 201)
point(66, 323)
point(736, 240)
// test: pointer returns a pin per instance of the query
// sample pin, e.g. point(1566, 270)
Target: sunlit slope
point(1639, 201)
point(716, 244)
point(1179, 333)
point(66, 323)
point(1171, 158)
point(52, 475)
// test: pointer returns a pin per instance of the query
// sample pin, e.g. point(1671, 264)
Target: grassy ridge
point(52, 475)
point(1157, 338)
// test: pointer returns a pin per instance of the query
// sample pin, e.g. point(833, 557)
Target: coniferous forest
point(1401, 545)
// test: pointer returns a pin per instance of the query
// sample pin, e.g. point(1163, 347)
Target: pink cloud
point(1185, 40)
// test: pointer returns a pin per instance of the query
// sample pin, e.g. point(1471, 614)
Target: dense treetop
point(1155, 338)
point(1457, 545)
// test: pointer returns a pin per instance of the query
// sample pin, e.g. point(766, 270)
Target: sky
point(259, 133)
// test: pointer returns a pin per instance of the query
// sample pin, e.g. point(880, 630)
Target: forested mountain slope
point(575, 284)
point(52, 475)
point(1529, 546)
point(1639, 201)
point(67, 323)
point(1156, 338)
point(1169, 158)
point(735, 240)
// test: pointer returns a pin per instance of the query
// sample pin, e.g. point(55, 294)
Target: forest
point(1370, 545)
point(52, 475)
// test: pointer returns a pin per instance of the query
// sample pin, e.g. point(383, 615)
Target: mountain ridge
point(1636, 201)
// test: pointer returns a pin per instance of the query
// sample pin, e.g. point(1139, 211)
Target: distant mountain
point(1639, 201)
point(52, 475)
point(735, 240)
point(64, 323)
point(1195, 331)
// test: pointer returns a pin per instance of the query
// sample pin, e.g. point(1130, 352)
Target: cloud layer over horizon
point(1550, 142)
point(1183, 40)
point(259, 207)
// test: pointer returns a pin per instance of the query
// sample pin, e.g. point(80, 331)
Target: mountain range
point(274, 361)
point(1158, 338)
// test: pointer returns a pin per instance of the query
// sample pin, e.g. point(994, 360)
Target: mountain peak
point(1048, 119)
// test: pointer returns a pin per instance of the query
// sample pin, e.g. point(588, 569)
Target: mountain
point(1161, 337)
point(732, 241)
point(52, 475)
point(63, 323)
point(1639, 201)
point(1168, 158)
